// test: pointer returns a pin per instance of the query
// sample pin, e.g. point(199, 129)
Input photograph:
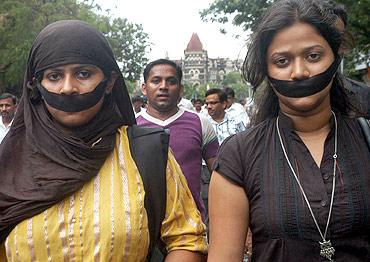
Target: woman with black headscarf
point(70, 189)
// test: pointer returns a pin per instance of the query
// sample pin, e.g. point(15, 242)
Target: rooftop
point(194, 44)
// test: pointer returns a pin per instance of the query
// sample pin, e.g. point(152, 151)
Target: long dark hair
point(280, 15)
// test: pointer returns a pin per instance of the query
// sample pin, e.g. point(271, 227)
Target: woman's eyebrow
point(53, 69)
point(287, 53)
point(77, 67)
point(85, 65)
point(309, 48)
point(278, 54)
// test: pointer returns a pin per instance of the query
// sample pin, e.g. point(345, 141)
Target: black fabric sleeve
point(229, 162)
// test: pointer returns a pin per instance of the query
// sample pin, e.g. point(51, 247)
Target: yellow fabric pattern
point(106, 221)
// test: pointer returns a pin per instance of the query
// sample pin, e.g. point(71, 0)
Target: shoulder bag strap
point(365, 126)
point(149, 149)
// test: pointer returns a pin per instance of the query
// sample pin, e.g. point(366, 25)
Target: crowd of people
point(88, 173)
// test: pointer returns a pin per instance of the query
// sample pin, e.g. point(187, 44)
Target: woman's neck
point(311, 123)
point(313, 130)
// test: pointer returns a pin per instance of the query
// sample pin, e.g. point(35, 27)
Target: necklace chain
point(335, 156)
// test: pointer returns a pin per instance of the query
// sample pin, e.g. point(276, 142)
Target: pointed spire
point(194, 44)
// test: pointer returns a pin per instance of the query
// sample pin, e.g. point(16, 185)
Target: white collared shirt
point(227, 127)
point(237, 111)
point(4, 129)
point(186, 104)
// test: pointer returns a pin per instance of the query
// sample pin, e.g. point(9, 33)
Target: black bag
point(149, 149)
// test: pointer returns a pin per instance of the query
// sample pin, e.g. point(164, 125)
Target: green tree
point(129, 43)
point(235, 81)
point(245, 13)
point(197, 91)
point(192, 91)
point(242, 12)
point(21, 20)
point(132, 87)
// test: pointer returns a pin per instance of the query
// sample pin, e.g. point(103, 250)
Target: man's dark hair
point(162, 62)
point(221, 94)
point(229, 91)
point(8, 95)
point(198, 100)
point(137, 99)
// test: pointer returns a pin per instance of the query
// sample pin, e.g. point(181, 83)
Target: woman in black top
point(300, 177)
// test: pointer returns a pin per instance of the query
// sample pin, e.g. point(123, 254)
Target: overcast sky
point(170, 24)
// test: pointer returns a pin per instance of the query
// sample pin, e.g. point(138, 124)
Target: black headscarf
point(39, 163)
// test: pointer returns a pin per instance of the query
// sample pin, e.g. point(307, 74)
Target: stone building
point(199, 69)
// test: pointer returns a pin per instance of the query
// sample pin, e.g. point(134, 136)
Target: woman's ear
point(112, 80)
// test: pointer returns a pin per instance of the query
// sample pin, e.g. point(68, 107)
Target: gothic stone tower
point(195, 65)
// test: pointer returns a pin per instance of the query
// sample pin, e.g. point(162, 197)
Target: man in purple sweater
point(192, 137)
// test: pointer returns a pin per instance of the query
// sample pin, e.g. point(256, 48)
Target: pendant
point(327, 250)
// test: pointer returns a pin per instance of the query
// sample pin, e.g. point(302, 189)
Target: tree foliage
point(21, 20)
point(245, 13)
point(197, 91)
point(129, 43)
point(235, 81)
point(232, 79)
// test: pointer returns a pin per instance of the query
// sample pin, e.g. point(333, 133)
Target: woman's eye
point(281, 62)
point(314, 57)
point(54, 76)
point(83, 74)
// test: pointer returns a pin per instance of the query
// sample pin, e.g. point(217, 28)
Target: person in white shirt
point(198, 105)
point(137, 104)
point(186, 104)
point(235, 110)
point(223, 125)
point(8, 105)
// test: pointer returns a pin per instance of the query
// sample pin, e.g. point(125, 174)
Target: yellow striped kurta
point(106, 221)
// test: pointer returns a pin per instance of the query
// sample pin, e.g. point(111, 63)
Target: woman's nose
point(69, 85)
point(299, 70)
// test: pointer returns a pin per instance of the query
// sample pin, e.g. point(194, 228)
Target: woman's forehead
point(70, 42)
point(73, 67)
point(298, 35)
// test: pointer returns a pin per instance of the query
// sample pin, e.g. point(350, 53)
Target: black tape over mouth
point(306, 87)
point(74, 102)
